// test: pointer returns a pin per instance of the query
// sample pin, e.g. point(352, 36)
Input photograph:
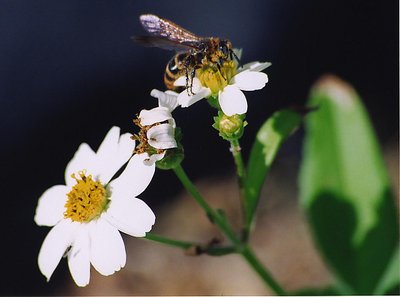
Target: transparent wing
point(161, 42)
point(164, 28)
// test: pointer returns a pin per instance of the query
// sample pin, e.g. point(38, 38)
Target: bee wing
point(161, 42)
point(164, 28)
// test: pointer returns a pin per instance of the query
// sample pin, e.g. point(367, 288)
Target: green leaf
point(345, 190)
point(390, 282)
point(267, 143)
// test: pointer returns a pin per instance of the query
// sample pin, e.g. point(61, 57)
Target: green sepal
point(213, 101)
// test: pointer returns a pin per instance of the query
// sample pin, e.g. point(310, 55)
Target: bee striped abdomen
point(174, 69)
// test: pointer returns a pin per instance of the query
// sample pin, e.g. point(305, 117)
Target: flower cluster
point(225, 83)
point(157, 127)
point(88, 212)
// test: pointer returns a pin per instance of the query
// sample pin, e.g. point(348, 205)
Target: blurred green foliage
point(345, 192)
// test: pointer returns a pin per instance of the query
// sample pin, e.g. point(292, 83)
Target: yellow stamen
point(216, 79)
point(87, 199)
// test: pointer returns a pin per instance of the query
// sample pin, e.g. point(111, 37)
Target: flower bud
point(230, 127)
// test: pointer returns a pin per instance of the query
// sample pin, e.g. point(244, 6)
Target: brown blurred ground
point(281, 240)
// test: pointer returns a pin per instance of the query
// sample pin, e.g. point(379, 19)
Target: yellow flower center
point(87, 199)
point(216, 79)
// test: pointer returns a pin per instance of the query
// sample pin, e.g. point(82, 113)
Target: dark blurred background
point(69, 71)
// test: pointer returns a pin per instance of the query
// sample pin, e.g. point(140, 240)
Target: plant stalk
point(252, 260)
point(192, 248)
point(216, 217)
point(241, 173)
point(220, 220)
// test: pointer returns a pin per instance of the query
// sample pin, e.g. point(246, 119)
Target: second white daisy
point(157, 125)
point(226, 83)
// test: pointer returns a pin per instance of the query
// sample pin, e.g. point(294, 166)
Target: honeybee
point(193, 51)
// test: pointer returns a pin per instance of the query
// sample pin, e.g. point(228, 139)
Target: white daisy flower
point(159, 125)
point(88, 211)
point(228, 86)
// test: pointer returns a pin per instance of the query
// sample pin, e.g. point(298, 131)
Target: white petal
point(161, 136)
point(181, 82)
point(107, 149)
point(155, 115)
point(111, 159)
point(126, 146)
point(107, 252)
point(54, 246)
point(153, 158)
point(199, 92)
point(185, 100)
point(50, 209)
point(131, 216)
point(196, 84)
point(135, 178)
point(172, 123)
point(166, 99)
point(232, 101)
point(238, 52)
point(110, 143)
point(170, 92)
point(78, 257)
point(249, 80)
point(84, 159)
point(255, 66)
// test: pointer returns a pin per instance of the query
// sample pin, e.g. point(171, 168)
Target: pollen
point(216, 78)
point(141, 137)
point(87, 199)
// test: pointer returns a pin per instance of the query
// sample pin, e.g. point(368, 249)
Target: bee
point(193, 52)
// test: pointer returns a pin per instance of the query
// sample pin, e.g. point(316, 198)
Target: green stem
point(220, 220)
point(191, 247)
point(216, 217)
point(237, 156)
point(168, 241)
point(249, 256)
point(241, 173)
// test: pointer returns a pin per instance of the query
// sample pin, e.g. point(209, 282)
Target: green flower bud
point(230, 127)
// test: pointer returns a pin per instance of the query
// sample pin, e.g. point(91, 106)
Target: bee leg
point(187, 64)
point(219, 68)
point(233, 55)
point(190, 76)
point(187, 80)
